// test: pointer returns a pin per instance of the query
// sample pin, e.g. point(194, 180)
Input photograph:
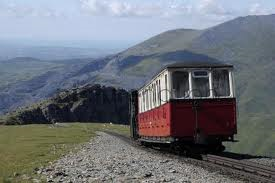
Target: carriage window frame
point(231, 86)
point(194, 77)
point(174, 92)
point(210, 76)
point(166, 87)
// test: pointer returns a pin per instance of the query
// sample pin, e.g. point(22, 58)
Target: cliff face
point(87, 104)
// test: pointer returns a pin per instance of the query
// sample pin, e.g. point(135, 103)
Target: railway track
point(256, 171)
point(251, 171)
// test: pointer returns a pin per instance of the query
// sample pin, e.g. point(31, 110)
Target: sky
point(117, 20)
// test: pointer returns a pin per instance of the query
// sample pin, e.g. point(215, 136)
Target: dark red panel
point(178, 118)
point(215, 117)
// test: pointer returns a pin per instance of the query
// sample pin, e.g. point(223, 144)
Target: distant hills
point(49, 53)
point(59, 50)
point(247, 42)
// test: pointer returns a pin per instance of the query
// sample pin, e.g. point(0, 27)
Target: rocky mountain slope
point(89, 103)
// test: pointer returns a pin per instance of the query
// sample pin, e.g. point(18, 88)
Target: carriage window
point(221, 86)
point(140, 104)
point(147, 100)
point(149, 97)
point(144, 101)
point(166, 88)
point(180, 84)
point(159, 93)
point(200, 84)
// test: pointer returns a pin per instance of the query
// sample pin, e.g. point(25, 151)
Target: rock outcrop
point(91, 103)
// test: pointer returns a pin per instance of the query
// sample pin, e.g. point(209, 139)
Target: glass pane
point(221, 85)
point(201, 87)
point(200, 74)
point(166, 88)
point(180, 84)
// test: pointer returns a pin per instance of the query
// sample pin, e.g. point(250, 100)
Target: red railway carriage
point(186, 103)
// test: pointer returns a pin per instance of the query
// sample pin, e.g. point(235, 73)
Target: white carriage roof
point(198, 64)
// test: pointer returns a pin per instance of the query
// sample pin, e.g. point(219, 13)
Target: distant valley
point(246, 42)
point(59, 50)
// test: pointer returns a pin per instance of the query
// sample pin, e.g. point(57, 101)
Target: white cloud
point(212, 7)
point(258, 9)
point(123, 8)
point(20, 11)
point(215, 10)
point(255, 8)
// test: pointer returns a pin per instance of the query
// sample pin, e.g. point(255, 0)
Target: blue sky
point(117, 19)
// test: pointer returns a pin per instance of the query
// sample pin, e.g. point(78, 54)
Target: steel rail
point(258, 171)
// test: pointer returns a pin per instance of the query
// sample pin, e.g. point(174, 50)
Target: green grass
point(256, 135)
point(24, 148)
point(142, 68)
point(169, 41)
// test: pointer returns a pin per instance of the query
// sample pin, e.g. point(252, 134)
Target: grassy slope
point(23, 148)
point(256, 134)
point(166, 42)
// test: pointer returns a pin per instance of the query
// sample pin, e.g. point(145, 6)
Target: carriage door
point(200, 89)
point(212, 107)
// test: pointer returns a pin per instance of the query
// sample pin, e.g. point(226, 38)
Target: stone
point(172, 171)
point(148, 174)
point(49, 180)
point(36, 181)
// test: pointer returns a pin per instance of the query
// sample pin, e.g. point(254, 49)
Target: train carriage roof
point(197, 64)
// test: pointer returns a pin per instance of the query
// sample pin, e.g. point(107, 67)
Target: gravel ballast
point(109, 159)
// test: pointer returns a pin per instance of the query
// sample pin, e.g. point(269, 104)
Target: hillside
point(169, 41)
point(246, 42)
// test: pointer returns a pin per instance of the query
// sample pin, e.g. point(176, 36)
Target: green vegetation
point(256, 135)
point(169, 41)
point(142, 68)
point(15, 71)
point(24, 148)
point(25, 68)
